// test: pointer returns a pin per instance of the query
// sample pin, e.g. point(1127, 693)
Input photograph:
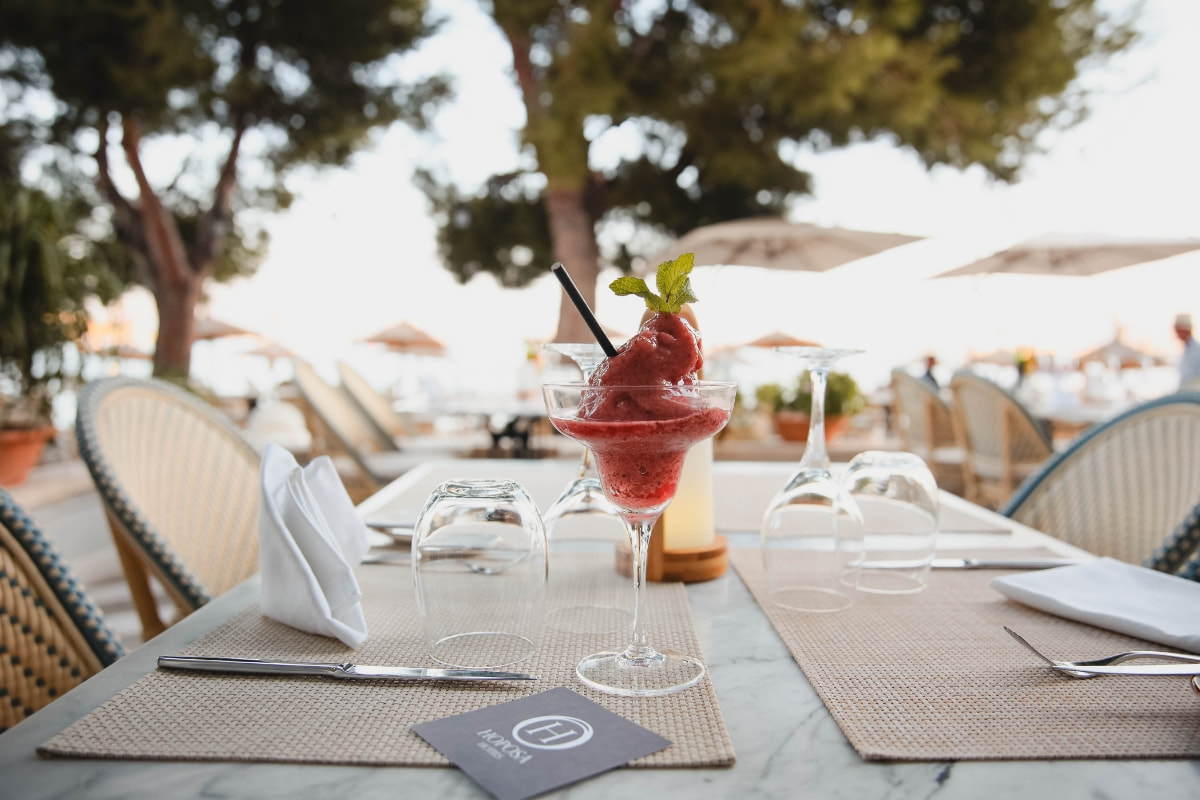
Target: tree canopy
point(232, 94)
point(719, 95)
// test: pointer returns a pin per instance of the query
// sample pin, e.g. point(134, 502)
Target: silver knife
point(1135, 669)
point(360, 672)
point(1002, 563)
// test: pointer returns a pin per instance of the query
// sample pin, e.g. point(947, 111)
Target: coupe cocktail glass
point(582, 525)
point(639, 436)
point(583, 495)
point(812, 529)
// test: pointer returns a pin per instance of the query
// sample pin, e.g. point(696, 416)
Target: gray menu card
point(529, 746)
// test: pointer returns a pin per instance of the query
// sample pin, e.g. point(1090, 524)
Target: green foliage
point(842, 396)
point(673, 283)
point(307, 81)
point(46, 272)
point(720, 95)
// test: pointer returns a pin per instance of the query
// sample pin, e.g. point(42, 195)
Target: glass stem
point(639, 539)
point(815, 454)
point(585, 463)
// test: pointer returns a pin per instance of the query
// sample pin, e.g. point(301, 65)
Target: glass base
point(813, 599)
point(651, 676)
point(482, 650)
point(589, 619)
point(884, 582)
point(582, 496)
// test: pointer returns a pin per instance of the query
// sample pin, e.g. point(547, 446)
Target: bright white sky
point(357, 252)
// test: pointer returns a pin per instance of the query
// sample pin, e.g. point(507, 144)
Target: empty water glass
point(479, 567)
point(898, 499)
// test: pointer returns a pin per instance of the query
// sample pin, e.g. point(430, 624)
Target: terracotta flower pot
point(20, 451)
point(792, 426)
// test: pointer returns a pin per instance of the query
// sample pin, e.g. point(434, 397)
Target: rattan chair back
point(1126, 488)
point(926, 428)
point(52, 636)
point(1002, 442)
point(180, 488)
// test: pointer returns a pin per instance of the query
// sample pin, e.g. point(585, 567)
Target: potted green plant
point(45, 274)
point(791, 407)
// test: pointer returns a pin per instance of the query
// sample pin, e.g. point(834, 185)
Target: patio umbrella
point(271, 351)
point(1075, 254)
point(775, 243)
point(780, 339)
point(207, 328)
point(125, 350)
point(1121, 354)
point(404, 337)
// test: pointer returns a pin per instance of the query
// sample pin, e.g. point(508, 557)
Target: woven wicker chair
point(1128, 488)
point(1002, 442)
point(372, 451)
point(180, 489)
point(52, 636)
point(927, 428)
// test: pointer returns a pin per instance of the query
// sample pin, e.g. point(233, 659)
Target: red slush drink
point(639, 460)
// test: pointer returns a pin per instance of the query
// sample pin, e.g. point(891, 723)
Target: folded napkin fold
point(310, 537)
point(1116, 596)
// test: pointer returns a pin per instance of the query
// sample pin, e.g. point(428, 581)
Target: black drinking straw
point(572, 291)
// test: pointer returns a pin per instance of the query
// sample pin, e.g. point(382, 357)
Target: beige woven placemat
point(933, 676)
point(210, 717)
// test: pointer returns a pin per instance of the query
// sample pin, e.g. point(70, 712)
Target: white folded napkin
point(1117, 596)
point(310, 537)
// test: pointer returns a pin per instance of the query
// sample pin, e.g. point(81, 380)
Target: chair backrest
point(349, 426)
point(53, 637)
point(1125, 488)
point(178, 481)
point(1002, 442)
point(377, 409)
point(923, 416)
point(997, 425)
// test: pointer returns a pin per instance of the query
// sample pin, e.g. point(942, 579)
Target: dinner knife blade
point(344, 671)
point(1002, 563)
point(1135, 669)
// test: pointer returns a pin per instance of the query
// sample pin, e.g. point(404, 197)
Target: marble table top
point(786, 742)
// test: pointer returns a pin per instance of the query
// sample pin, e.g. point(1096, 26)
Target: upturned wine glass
point(639, 436)
point(812, 529)
point(582, 527)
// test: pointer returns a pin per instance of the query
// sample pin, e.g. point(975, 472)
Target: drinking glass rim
point(648, 386)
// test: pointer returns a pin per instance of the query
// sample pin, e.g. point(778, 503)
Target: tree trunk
point(176, 302)
point(574, 239)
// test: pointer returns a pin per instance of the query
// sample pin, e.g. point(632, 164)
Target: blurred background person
point(1189, 362)
point(930, 363)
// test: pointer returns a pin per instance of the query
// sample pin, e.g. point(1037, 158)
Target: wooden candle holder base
point(691, 565)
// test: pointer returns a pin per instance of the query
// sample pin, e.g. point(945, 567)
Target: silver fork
point(1078, 669)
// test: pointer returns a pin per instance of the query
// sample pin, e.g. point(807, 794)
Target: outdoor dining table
point(787, 743)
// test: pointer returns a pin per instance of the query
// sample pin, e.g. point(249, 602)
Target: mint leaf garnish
point(672, 281)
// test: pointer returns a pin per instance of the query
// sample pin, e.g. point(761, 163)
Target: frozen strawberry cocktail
point(639, 457)
point(639, 412)
point(643, 407)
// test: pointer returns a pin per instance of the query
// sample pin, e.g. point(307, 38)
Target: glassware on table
point(479, 568)
point(582, 528)
point(639, 462)
point(898, 498)
point(811, 531)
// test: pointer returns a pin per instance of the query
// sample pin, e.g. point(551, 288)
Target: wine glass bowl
point(639, 436)
point(812, 529)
